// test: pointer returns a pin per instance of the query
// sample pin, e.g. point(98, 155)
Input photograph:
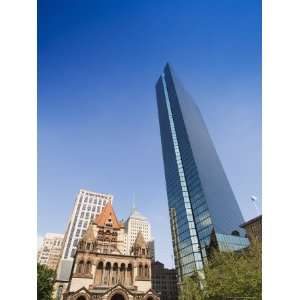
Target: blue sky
point(98, 129)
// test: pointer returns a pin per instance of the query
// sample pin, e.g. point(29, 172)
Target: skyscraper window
point(200, 197)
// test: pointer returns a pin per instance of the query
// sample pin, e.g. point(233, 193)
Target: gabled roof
point(152, 292)
point(82, 289)
point(117, 287)
point(106, 214)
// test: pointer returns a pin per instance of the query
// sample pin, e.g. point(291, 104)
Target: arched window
point(129, 274)
point(140, 272)
point(114, 274)
point(80, 267)
point(146, 271)
point(122, 273)
point(100, 265)
point(88, 267)
point(117, 297)
point(107, 273)
point(99, 273)
point(108, 266)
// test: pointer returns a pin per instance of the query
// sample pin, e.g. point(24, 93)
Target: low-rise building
point(164, 281)
point(253, 228)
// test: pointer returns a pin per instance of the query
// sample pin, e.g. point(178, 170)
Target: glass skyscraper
point(201, 201)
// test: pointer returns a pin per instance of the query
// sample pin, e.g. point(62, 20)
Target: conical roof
point(139, 241)
point(108, 216)
point(89, 235)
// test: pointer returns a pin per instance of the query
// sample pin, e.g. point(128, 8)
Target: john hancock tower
point(201, 202)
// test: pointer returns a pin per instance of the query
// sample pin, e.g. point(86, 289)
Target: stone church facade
point(101, 271)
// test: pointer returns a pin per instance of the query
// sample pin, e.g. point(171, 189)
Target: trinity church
point(101, 271)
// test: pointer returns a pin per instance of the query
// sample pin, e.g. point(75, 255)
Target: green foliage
point(190, 289)
point(229, 275)
point(45, 282)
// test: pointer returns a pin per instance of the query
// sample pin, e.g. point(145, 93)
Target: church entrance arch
point(117, 297)
point(81, 298)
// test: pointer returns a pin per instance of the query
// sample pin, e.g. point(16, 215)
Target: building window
point(73, 252)
point(146, 271)
point(140, 270)
point(80, 267)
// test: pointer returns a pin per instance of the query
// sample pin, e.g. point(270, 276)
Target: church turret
point(88, 241)
point(140, 247)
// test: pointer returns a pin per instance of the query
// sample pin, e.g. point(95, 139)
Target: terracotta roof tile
point(106, 214)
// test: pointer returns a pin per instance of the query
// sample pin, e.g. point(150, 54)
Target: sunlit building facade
point(50, 250)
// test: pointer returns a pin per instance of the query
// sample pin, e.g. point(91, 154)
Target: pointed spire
point(140, 241)
point(140, 247)
point(89, 235)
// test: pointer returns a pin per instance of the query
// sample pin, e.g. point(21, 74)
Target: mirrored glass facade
point(199, 195)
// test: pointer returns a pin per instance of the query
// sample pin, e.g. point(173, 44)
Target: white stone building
point(50, 250)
